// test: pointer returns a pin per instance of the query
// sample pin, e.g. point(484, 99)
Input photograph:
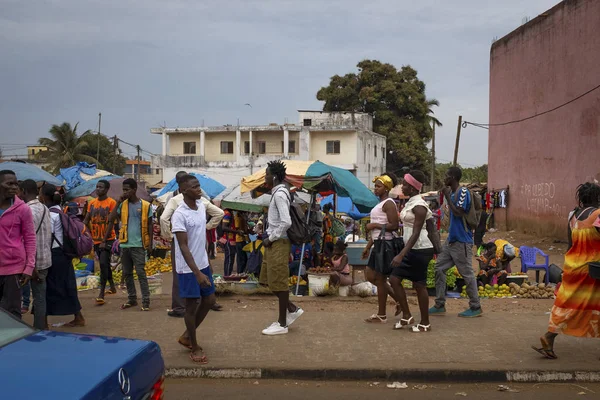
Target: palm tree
point(65, 148)
point(431, 119)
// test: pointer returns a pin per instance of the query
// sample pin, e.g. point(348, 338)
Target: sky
point(182, 63)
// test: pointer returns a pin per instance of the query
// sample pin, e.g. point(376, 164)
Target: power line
point(486, 126)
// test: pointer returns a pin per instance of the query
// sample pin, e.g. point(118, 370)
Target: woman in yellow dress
point(576, 310)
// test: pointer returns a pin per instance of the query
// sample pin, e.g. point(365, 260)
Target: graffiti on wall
point(539, 199)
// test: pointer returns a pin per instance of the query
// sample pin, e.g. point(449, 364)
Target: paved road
point(299, 390)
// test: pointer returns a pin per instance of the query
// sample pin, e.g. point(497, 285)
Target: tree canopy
point(66, 148)
point(469, 175)
point(396, 99)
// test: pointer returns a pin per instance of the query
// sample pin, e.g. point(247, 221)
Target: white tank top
point(408, 220)
point(379, 217)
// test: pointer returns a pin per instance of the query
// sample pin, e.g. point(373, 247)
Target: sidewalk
point(331, 341)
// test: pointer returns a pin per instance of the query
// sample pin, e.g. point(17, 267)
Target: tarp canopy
point(318, 177)
point(88, 187)
point(72, 175)
point(345, 206)
point(233, 199)
point(26, 171)
point(208, 185)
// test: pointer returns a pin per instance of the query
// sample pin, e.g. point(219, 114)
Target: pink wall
point(541, 65)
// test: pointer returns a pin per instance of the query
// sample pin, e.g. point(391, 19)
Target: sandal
point(421, 328)
point(145, 308)
point(545, 350)
point(100, 301)
point(111, 291)
point(377, 319)
point(404, 322)
point(129, 304)
point(198, 359)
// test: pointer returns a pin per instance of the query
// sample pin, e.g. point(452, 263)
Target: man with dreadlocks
point(275, 271)
point(577, 305)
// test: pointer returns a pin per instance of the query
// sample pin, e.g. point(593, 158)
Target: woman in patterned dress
point(576, 310)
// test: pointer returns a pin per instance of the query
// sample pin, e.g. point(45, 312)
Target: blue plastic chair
point(529, 259)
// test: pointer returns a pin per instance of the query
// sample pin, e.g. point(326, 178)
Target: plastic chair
point(528, 261)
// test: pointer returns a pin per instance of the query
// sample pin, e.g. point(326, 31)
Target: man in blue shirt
point(458, 249)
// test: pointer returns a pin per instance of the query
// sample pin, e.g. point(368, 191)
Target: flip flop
point(545, 350)
point(187, 346)
point(100, 301)
point(198, 359)
point(128, 305)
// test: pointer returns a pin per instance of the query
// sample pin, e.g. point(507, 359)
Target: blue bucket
point(89, 264)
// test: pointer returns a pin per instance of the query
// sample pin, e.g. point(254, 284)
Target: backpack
point(299, 232)
point(338, 229)
point(77, 241)
point(471, 220)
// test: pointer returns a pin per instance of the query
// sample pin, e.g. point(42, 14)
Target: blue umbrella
point(209, 185)
point(29, 171)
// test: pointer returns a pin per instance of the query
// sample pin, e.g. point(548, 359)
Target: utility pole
point(98, 138)
point(116, 149)
point(138, 163)
point(457, 140)
point(433, 159)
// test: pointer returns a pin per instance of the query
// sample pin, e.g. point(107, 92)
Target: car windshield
point(12, 329)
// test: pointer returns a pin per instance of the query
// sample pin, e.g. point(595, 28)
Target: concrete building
point(542, 67)
point(150, 176)
point(32, 151)
point(228, 153)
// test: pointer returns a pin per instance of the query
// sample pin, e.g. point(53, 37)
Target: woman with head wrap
point(383, 225)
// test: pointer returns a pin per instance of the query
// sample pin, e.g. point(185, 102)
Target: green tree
point(65, 147)
point(469, 175)
point(110, 158)
point(397, 101)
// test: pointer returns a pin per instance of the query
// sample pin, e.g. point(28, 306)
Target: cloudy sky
point(143, 63)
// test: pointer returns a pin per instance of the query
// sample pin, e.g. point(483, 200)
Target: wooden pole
point(433, 159)
point(457, 140)
point(138, 163)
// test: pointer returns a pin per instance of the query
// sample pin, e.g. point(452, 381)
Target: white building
point(228, 153)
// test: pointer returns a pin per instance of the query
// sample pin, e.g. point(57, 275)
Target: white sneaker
point(293, 316)
point(275, 329)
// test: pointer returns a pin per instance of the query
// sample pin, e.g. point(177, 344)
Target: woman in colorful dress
point(576, 310)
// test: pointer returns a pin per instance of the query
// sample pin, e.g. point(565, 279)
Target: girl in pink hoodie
point(17, 236)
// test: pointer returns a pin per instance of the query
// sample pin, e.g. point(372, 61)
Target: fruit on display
point(154, 265)
point(490, 291)
point(294, 281)
point(451, 275)
point(319, 270)
point(527, 291)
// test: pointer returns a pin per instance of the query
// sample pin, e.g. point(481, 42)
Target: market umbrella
point(89, 187)
point(208, 185)
point(26, 171)
point(115, 191)
point(235, 200)
point(315, 176)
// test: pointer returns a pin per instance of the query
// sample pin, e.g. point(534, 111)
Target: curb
point(416, 375)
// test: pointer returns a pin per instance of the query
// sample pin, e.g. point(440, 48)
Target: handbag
point(434, 235)
point(395, 246)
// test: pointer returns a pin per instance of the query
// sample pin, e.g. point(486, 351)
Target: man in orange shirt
point(96, 221)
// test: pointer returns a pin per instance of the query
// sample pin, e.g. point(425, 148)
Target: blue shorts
point(189, 288)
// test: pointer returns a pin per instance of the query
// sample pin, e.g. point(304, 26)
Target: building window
point(375, 151)
point(157, 171)
point(291, 146)
point(383, 152)
point(307, 122)
point(246, 147)
point(189, 147)
point(262, 147)
point(226, 147)
point(33, 152)
point(333, 147)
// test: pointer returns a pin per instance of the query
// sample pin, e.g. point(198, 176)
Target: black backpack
point(299, 232)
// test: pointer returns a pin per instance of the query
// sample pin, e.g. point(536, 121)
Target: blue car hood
point(61, 365)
